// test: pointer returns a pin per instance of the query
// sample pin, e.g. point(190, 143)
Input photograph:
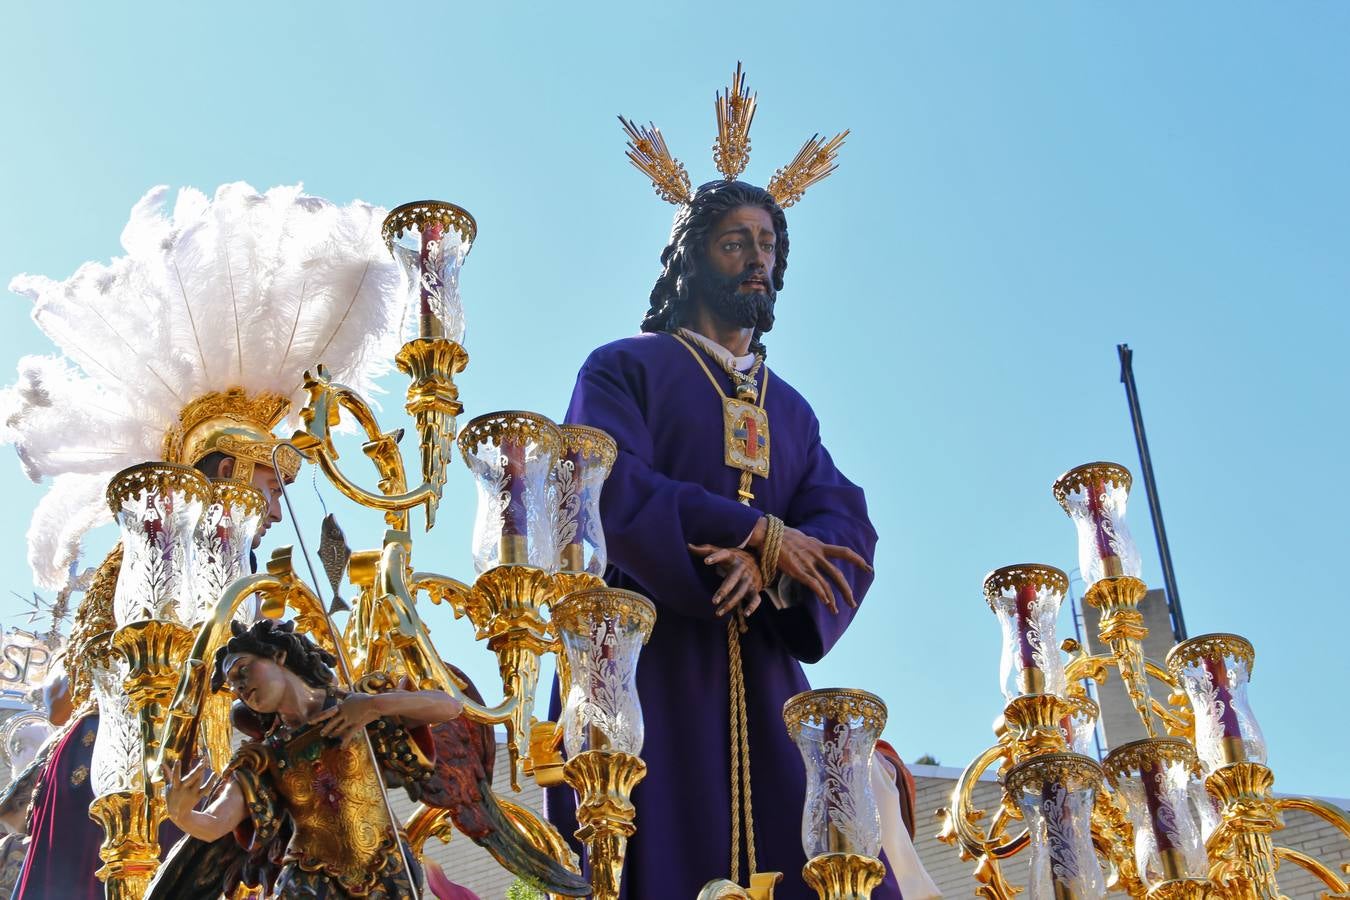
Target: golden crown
point(647, 151)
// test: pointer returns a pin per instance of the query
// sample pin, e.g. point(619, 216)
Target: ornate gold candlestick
point(1241, 849)
point(844, 876)
point(604, 782)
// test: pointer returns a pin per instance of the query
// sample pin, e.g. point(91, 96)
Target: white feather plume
point(242, 289)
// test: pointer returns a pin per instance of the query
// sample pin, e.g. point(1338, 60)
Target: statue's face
point(265, 480)
point(736, 285)
point(259, 681)
point(742, 245)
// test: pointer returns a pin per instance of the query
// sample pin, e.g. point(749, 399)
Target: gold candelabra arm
point(1175, 714)
point(1113, 838)
point(961, 820)
point(1121, 627)
point(413, 643)
point(1332, 815)
point(1337, 887)
point(327, 399)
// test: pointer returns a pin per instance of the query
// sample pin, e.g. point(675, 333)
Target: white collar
point(723, 356)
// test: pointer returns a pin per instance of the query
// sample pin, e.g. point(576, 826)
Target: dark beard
point(722, 297)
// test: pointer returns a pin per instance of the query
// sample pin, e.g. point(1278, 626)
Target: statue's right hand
point(183, 792)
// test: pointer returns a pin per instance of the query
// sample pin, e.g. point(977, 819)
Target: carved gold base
point(506, 605)
point(1032, 722)
point(604, 782)
point(565, 583)
point(844, 876)
point(155, 652)
point(1241, 851)
point(130, 857)
point(1180, 889)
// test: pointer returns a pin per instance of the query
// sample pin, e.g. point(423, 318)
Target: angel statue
point(300, 810)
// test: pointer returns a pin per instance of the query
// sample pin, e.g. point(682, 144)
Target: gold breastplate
point(335, 798)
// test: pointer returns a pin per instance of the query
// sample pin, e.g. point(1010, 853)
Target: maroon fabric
point(63, 851)
point(904, 781)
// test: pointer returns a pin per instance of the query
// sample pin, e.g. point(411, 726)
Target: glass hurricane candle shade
point(836, 730)
point(1055, 792)
point(157, 506)
point(116, 761)
point(1095, 496)
point(430, 240)
point(512, 456)
point(588, 454)
point(1214, 670)
point(1079, 725)
point(223, 539)
point(1026, 598)
point(1156, 777)
point(602, 632)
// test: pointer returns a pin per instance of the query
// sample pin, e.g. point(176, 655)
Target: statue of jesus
point(723, 506)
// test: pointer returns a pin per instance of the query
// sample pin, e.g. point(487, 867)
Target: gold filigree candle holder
point(1241, 849)
point(844, 876)
point(604, 782)
point(433, 403)
point(129, 860)
point(1034, 725)
point(836, 730)
point(506, 605)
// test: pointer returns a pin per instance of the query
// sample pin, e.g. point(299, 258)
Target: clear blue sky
point(1025, 187)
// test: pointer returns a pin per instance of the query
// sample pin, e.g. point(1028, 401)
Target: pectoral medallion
point(746, 436)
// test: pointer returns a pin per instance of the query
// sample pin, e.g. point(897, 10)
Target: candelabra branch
point(327, 399)
point(1175, 714)
point(604, 782)
point(1336, 886)
point(1122, 628)
point(413, 642)
point(961, 821)
point(1113, 836)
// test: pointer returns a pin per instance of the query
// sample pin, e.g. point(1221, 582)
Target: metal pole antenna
point(1151, 489)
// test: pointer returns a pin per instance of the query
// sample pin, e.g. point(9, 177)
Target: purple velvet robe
point(670, 488)
point(63, 845)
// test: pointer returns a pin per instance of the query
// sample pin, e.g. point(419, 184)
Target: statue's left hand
point(742, 581)
point(346, 719)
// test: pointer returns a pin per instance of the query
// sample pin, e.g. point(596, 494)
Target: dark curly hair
point(683, 256)
point(272, 638)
